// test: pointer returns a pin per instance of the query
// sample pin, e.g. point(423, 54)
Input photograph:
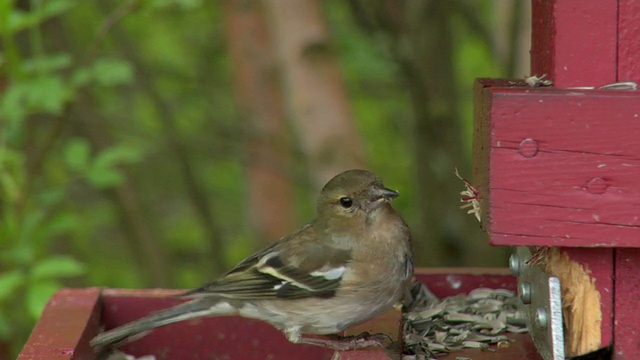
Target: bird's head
point(352, 197)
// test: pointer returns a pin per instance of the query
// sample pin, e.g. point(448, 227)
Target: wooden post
point(627, 261)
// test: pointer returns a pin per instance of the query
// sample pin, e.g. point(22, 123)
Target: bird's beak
point(379, 197)
point(385, 194)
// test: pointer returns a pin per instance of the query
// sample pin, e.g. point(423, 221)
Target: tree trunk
point(267, 144)
point(315, 94)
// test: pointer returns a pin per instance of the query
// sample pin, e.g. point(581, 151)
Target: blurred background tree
point(155, 143)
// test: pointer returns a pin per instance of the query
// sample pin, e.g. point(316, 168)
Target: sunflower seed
point(463, 321)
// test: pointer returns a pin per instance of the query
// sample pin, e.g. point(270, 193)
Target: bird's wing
point(304, 268)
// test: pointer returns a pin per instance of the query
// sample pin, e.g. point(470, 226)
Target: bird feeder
point(556, 170)
point(74, 316)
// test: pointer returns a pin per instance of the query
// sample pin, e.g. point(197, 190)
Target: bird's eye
point(346, 202)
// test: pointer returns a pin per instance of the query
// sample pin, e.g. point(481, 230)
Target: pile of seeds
point(463, 321)
point(118, 355)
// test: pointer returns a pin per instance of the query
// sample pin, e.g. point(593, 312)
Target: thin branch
point(201, 203)
point(108, 24)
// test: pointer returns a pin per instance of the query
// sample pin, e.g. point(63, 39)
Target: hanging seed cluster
point(477, 320)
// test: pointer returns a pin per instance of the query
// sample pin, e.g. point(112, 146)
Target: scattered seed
point(475, 321)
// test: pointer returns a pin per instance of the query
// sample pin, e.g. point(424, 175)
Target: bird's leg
point(341, 343)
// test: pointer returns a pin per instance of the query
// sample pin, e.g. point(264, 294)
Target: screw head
point(597, 186)
point(524, 290)
point(542, 318)
point(528, 148)
point(514, 264)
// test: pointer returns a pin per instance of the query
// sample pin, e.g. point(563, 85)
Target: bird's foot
point(352, 342)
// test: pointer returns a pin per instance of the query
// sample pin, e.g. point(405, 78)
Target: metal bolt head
point(524, 290)
point(541, 318)
point(514, 264)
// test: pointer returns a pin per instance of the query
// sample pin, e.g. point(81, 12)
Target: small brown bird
point(350, 264)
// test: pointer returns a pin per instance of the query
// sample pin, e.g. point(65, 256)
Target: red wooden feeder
point(556, 168)
point(74, 316)
point(559, 167)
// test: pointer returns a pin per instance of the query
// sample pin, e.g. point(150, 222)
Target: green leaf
point(104, 170)
point(30, 225)
point(21, 255)
point(20, 20)
point(51, 196)
point(104, 177)
point(9, 283)
point(61, 223)
point(110, 72)
point(115, 155)
point(81, 77)
point(13, 109)
point(43, 93)
point(76, 154)
point(105, 72)
point(52, 8)
point(38, 295)
point(46, 93)
point(58, 266)
point(47, 64)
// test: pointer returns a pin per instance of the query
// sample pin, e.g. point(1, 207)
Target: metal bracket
point(541, 299)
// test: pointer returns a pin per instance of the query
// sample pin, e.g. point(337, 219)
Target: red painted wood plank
point(627, 261)
point(70, 319)
point(627, 318)
point(628, 40)
point(563, 167)
point(574, 41)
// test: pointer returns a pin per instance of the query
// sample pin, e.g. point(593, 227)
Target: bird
point(351, 263)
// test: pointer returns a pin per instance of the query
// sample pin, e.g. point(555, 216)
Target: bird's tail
point(139, 328)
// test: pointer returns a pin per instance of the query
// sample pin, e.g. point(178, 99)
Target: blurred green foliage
point(97, 96)
point(36, 214)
